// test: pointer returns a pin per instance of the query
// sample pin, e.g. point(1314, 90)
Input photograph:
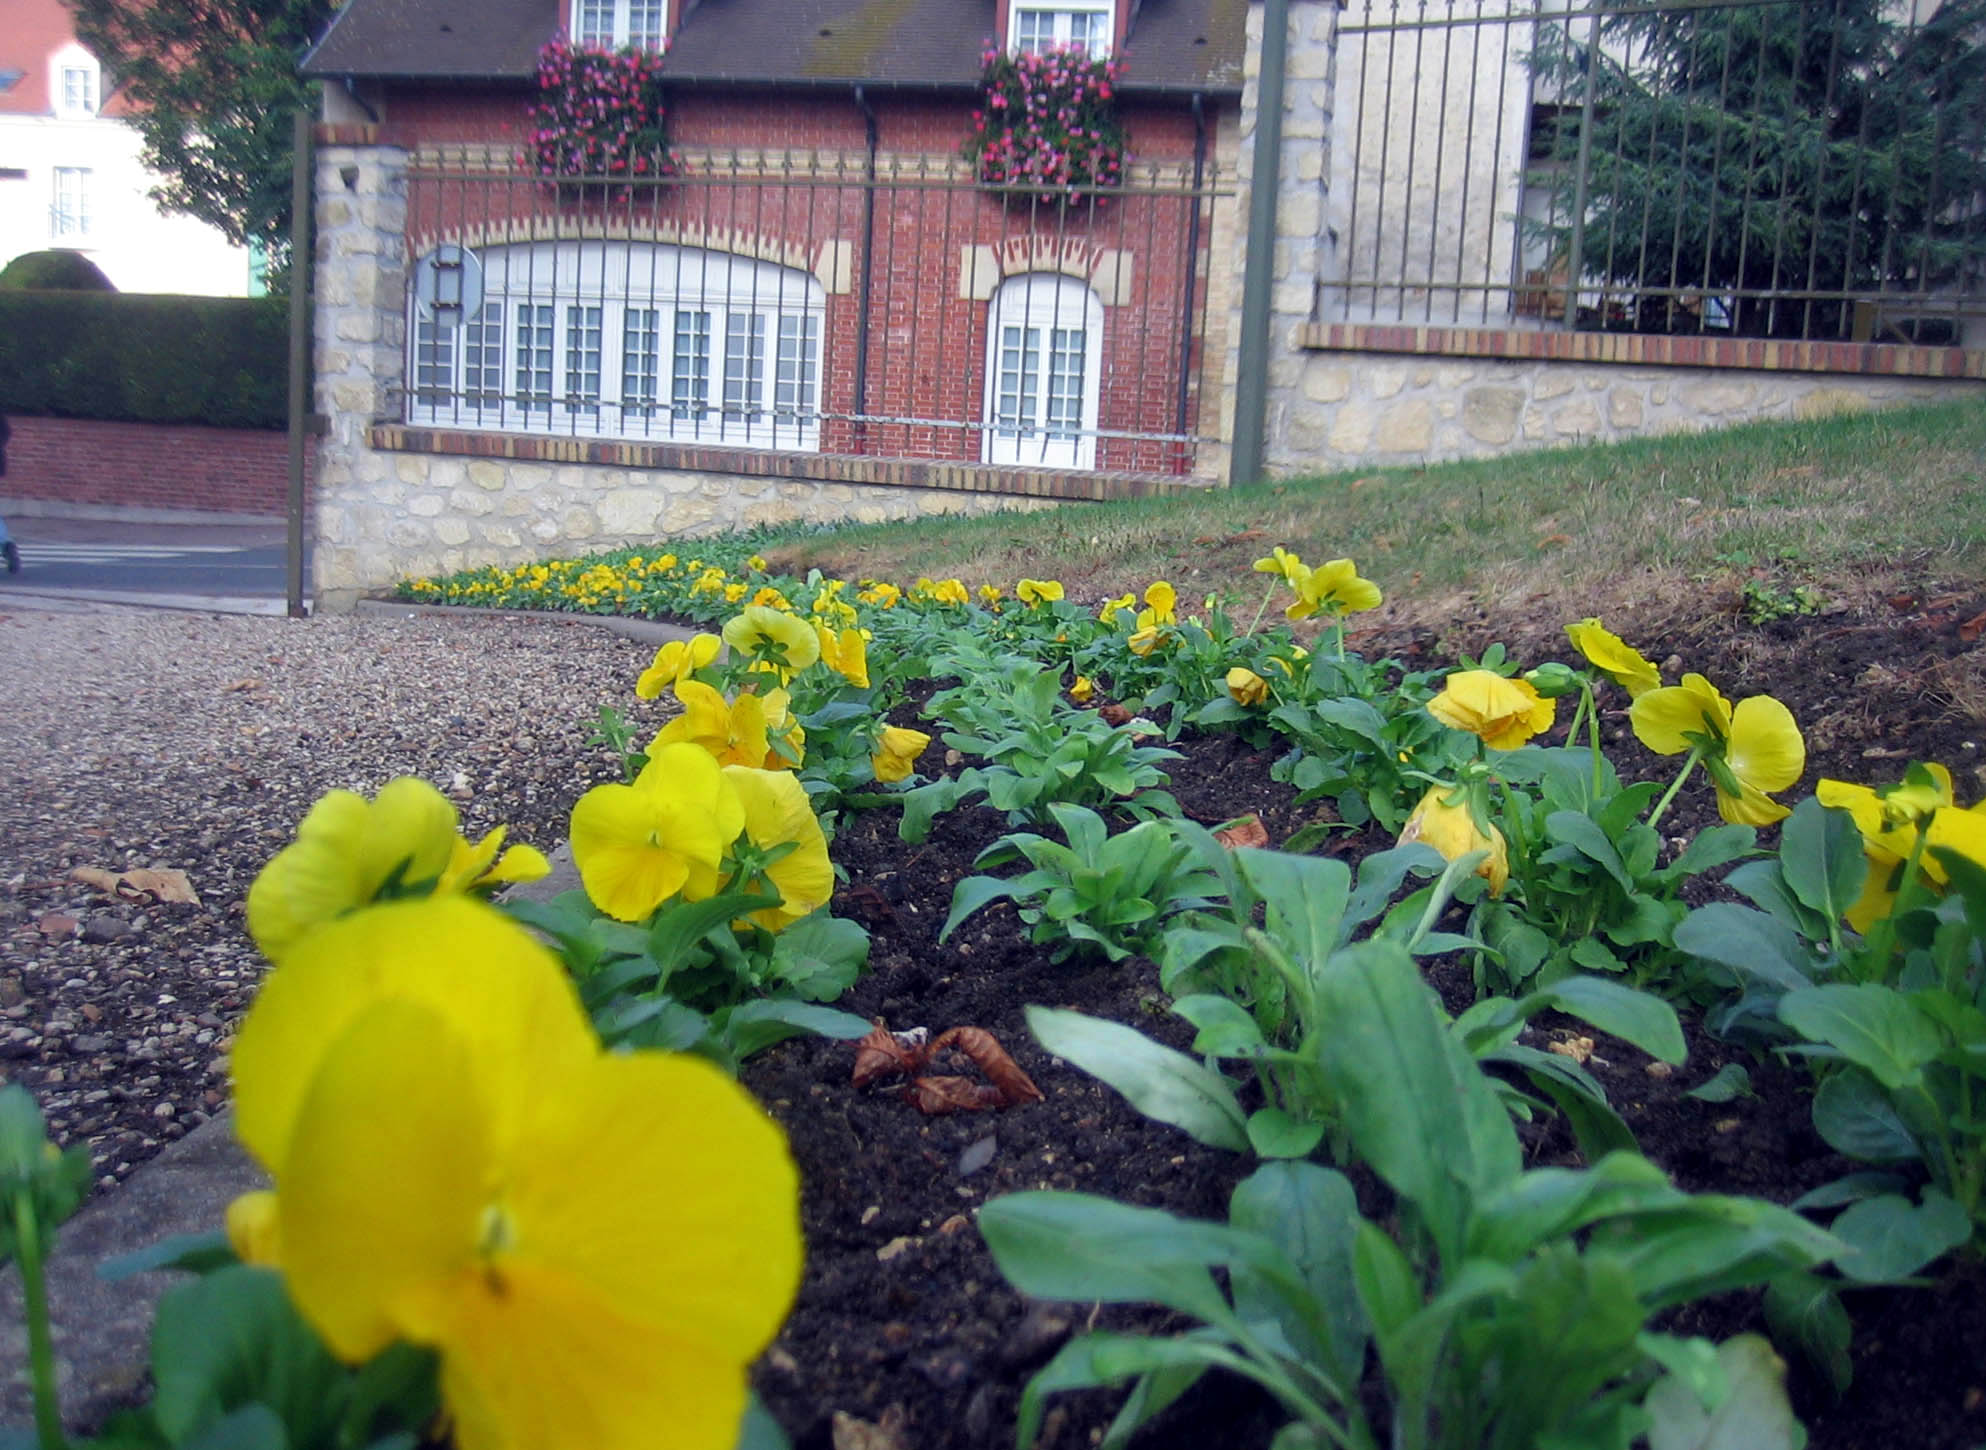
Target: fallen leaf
point(1114, 714)
point(886, 1433)
point(1554, 541)
point(1576, 1048)
point(936, 1096)
point(56, 924)
point(894, 1247)
point(140, 884)
point(984, 1051)
point(882, 1054)
point(244, 685)
point(1248, 536)
point(1248, 831)
point(1970, 630)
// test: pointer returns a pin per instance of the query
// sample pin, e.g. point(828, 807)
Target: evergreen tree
point(213, 84)
point(1796, 148)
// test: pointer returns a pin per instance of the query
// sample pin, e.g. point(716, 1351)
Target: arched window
point(1044, 344)
point(624, 340)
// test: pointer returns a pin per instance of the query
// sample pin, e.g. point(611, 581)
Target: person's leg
point(9, 550)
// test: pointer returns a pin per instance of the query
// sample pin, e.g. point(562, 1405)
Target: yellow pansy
point(486, 864)
point(637, 845)
point(1748, 751)
point(1114, 607)
point(735, 591)
point(253, 1228)
point(1159, 601)
point(675, 662)
point(1247, 687)
point(346, 852)
point(846, 653)
point(778, 813)
point(1889, 820)
point(879, 593)
point(774, 636)
point(1612, 657)
point(896, 752)
point(1282, 561)
point(1144, 640)
point(443, 1179)
point(1335, 588)
point(1032, 592)
point(735, 732)
point(990, 595)
point(1083, 690)
point(1503, 713)
point(1450, 827)
point(756, 561)
point(950, 591)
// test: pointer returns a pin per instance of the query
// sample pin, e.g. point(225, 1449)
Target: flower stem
point(34, 1297)
point(1592, 708)
point(1695, 754)
point(1263, 608)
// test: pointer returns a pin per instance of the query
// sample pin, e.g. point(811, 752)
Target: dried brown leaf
point(1114, 714)
point(984, 1051)
point(886, 1433)
point(936, 1096)
point(881, 1055)
point(1248, 831)
point(140, 884)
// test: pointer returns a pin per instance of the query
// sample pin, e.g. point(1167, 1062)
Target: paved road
point(175, 561)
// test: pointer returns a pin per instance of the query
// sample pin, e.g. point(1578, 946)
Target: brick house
point(822, 292)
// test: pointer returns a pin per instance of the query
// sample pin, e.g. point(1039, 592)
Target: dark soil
point(905, 1323)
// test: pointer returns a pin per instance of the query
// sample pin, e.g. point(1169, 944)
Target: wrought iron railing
point(1756, 168)
point(807, 302)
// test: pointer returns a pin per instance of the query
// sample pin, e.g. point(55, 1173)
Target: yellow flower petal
point(1502, 713)
point(1662, 718)
point(777, 811)
point(1451, 830)
point(254, 1226)
point(635, 845)
point(1765, 749)
point(1614, 658)
point(1246, 687)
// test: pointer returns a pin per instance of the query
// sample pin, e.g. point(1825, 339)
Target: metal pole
point(300, 273)
point(1251, 383)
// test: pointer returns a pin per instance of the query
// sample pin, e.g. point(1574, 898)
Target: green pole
point(300, 276)
point(1251, 383)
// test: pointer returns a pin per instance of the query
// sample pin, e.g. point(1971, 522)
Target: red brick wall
point(149, 465)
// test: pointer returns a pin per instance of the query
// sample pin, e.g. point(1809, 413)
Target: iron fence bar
point(1820, 169)
point(1571, 12)
point(1576, 263)
point(1716, 179)
point(1785, 171)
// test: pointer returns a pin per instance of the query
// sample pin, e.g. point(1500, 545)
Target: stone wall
point(1358, 408)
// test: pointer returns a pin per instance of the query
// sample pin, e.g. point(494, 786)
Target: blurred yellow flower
point(846, 653)
point(1889, 820)
point(880, 594)
point(735, 732)
point(783, 640)
point(347, 851)
point(675, 662)
point(1282, 562)
point(1450, 827)
point(1334, 588)
point(1083, 690)
point(1247, 687)
point(756, 561)
point(778, 813)
point(990, 596)
point(1032, 592)
point(1503, 713)
point(486, 864)
point(1143, 641)
point(637, 845)
point(1114, 607)
point(1612, 657)
point(430, 1105)
point(1159, 601)
point(1748, 751)
point(896, 752)
point(950, 591)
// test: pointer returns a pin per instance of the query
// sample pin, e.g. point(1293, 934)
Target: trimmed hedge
point(39, 271)
point(144, 358)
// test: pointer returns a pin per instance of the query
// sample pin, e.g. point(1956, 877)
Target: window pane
point(79, 91)
point(1086, 32)
point(744, 364)
point(1065, 381)
point(582, 358)
point(645, 24)
point(482, 357)
point(1036, 32)
point(434, 363)
point(1019, 380)
point(534, 357)
point(595, 25)
point(641, 361)
point(70, 216)
point(795, 382)
point(689, 380)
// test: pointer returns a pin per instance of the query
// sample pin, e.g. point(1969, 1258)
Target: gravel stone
point(129, 742)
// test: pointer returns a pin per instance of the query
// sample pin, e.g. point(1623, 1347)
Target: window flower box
point(599, 115)
point(1048, 128)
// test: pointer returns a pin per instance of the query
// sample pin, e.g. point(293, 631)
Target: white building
point(70, 174)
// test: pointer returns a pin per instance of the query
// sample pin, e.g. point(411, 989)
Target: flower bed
point(1137, 760)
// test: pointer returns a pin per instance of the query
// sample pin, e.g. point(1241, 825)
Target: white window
point(69, 216)
point(1044, 342)
point(616, 23)
point(78, 96)
point(1086, 25)
point(627, 340)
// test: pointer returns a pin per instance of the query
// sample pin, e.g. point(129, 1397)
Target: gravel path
point(136, 739)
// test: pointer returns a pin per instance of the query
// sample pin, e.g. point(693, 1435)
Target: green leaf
point(751, 1027)
point(1311, 1214)
point(1097, 1360)
point(1731, 1081)
point(196, 1253)
point(1875, 1027)
point(1079, 1246)
point(1753, 1414)
point(1582, 834)
point(759, 1431)
point(1821, 857)
point(1389, 1290)
point(1273, 1133)
point(396, 1393)
point(1855, 1116)
point(1597, 1127)
point(1717, 846)
point(1225, 1027)
point(1548, 1204)
point(1753, 945)
point(1615, 1008)
point(231, 1339)
point(1415, 1104)
point(1305, 897)
point(820, 956)
point(1891, 1238)
point(1805, 1313)
point(1164, 1085)
point(252, 1427)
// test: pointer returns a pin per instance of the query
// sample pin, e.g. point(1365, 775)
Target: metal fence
point(1756, 168)
point(813, 302)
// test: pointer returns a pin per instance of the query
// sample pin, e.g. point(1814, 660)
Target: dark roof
point(1181, 45)
point(442, 39)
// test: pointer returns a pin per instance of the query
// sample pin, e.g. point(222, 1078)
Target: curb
point(184, 603)
point(642, 631)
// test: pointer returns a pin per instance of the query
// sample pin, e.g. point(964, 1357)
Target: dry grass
point(1648, 532)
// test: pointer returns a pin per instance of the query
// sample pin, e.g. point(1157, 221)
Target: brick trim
point(761, 463)
point(346, 133)
point(1880, 359)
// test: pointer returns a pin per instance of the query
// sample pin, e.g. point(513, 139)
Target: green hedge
point(142, 358)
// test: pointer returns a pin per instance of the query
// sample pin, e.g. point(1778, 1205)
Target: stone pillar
point(1300, 218)
point(361, 336)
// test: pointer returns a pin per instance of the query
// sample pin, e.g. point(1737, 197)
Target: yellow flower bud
point(1247, 687)
point(1452, 830)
